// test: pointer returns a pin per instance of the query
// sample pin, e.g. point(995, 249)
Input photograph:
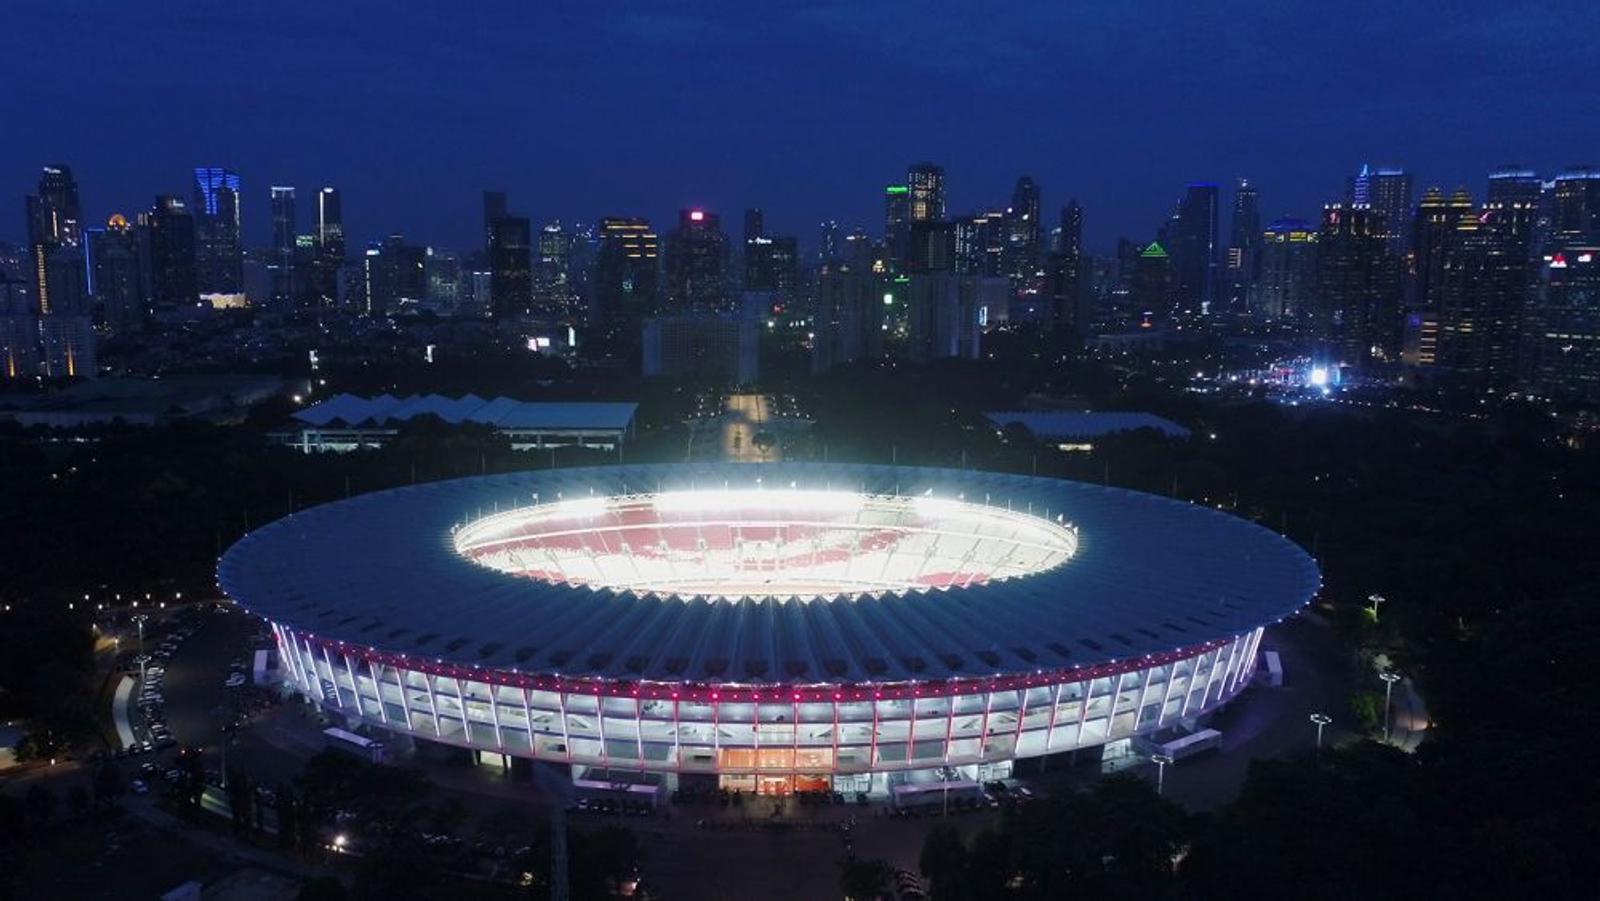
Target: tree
point(865, 880)
point(41, 803)
point(322, 888)
point(1367, 708)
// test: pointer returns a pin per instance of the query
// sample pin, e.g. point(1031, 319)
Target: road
point(746, 415)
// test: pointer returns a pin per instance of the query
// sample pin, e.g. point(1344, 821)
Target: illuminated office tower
point(511, 266)
point(330, 247)
point(1576, 206)
point(1359, 288)
point(1560, 349)
point(55, 235)
point(1194, 245)
point(897, 223)
point(697, 259)
point(1023, 232)
point(925, 190)
point(119, 278)
point(171, 230)
point(1484, 284)
point(1287, 271)
point(219, 255)
point(627, 265)
point(281, 262)
point(1386, 189)
point(1243, 263)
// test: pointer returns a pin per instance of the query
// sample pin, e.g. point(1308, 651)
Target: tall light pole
point(1321, 719)
point(1161, 761)
point(1376, 600)
point(1389, 679)
point(139, 619)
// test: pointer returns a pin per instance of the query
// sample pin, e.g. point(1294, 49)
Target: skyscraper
point(1194, 247)
point(119, 278)
point(848, 324)
point(1386, 189)
point(511, 266)
point(55, 234)
point(1066, 280)
point(494, 207)
point(1434, 228)
point(829, 241)
point(1483, 286)
point(1358, 287)
point(1023, 232)
point(1287, 271)
point(626, 267)
point(330, 247)
point(980, 240)
point(697, 257)
point(219, 256)
point(897, 222)
point(1561, 330)
point(281, 265)
point(925, 188)
point(771, 263)
point(1151, 291)
point(554, 293)
point(755, 223)
point(1244, 246)
point(1576, 206)
point(173, 280)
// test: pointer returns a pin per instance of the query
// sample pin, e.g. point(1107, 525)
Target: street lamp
point(1321, 719)
point(1161, 761)
point(1376, 600)
point(1389, 679)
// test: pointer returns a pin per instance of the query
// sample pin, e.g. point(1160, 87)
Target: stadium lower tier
point(744, 733)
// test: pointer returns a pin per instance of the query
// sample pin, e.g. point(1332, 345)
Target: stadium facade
point(768, 628)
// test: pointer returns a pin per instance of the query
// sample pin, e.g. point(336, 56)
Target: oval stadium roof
point(1150, 575)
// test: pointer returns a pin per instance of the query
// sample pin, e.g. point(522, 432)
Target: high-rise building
point(1434, 227)
point(1287, 271)
point(119, 277)
point(829, 241)
point(1066, 276)
point(554, 292)
point(1386, 189)
point(281, 263)
point(1023, 232)
point(897, 222)
point(330, 248)
point(980, 240)
point(771, 263)
point(1514, 184)
point(1576, 206)
point(1561, 326)
point(1152, 286)
point(848, 324)
point(68, 346)
point(932, 247)
point(1194, 245)
point(626, 269)
point(55, 235)
point(443, 271)
point(219, 255)
point(495, 207)
point(394, 278)
point(755, 223)
point(925, 191)
point(942, 316)
point(173, 280)
point(697, 258)
point(511, 266)
point(1359, 287)
point(1484, 284)
point(1243, 263)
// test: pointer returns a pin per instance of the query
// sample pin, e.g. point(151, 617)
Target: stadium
point(768, 628)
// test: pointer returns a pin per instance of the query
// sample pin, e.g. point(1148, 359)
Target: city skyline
point(1204, 107)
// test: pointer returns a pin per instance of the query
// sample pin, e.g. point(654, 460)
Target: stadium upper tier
point(782, 573)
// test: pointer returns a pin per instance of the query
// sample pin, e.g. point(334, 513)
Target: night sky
point(414, 108)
